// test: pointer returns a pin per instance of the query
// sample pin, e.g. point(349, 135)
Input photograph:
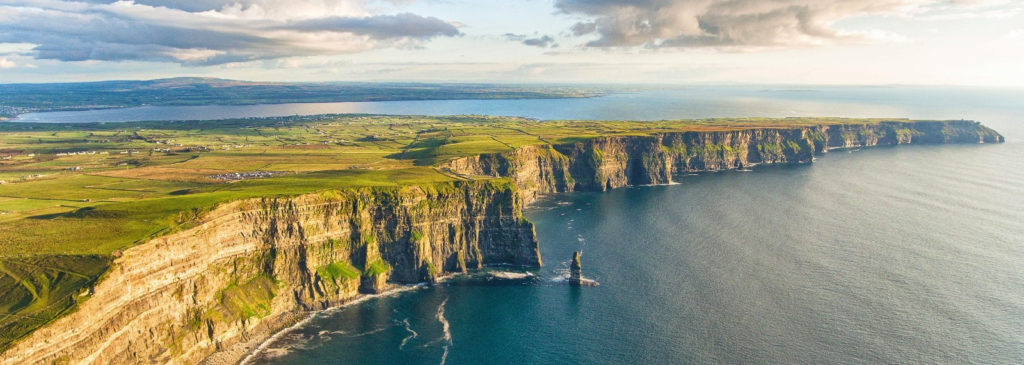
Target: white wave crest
point(511, 275)
point(412, 334)
point(447, 331)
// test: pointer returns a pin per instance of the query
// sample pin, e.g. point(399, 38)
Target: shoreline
point(285, 320)
point(307, 316)
point(264, 343)
point(402, 288)
point(15, 118)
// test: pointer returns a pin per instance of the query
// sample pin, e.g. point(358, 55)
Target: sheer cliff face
point(254, 265)
point(611, 162)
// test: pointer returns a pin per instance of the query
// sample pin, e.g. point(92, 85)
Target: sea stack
point(576, 270)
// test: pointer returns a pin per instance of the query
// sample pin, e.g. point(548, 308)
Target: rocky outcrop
point(606, 163)
point(575, 269)
point(253, 266)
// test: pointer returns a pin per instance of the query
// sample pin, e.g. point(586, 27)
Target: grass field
point(73, 194)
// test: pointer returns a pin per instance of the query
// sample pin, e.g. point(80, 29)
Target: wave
point(511, 275)
point(264, 347)
point(412, 334)
point(370, 332)
point(447, 330)
point(665, 184)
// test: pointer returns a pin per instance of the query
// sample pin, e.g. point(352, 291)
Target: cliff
point(605, 163)
point(253, 266)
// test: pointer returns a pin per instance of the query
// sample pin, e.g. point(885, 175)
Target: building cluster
point(59, 154)
point(245, 175)
point(13, 110)
point(229, 147)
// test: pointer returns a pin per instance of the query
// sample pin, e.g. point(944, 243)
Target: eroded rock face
point(373, 283)
point(252, 267)
point(575, 269)
point(612, 162)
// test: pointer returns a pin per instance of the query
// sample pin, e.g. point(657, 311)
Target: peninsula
point(26, 98)
point(193, 241)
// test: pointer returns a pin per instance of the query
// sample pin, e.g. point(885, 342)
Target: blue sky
point(925, 42)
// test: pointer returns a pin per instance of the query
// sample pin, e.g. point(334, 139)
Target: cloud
point(514, 37)
point(379, 26)
point(542, 41)
point(5, 63)
point(530, 69)
point(582, 28)
point(968, 10)
point(208, 32)
point(728, 24)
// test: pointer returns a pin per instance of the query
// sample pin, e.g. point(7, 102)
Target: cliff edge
point(255, 265)
point(252, 267)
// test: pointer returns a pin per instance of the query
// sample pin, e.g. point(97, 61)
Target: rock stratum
point(606, 163)
point(213, 292)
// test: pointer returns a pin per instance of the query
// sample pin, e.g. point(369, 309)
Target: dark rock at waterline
point(373, 283)
point(575, 270)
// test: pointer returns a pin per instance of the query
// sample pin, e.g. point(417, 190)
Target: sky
point(813, 42)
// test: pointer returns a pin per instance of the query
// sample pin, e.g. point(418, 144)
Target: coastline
point(598, 165)
point(15, 118)
point(264, 343)
point(244, 354)
point(672, 180)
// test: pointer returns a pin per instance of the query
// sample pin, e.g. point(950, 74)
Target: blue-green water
point(910, 254)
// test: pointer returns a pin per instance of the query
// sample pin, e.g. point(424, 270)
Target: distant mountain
point(199, 81)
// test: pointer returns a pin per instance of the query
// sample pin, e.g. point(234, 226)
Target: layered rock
point(575, 269)
point(253, 266)
point(606, 163)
